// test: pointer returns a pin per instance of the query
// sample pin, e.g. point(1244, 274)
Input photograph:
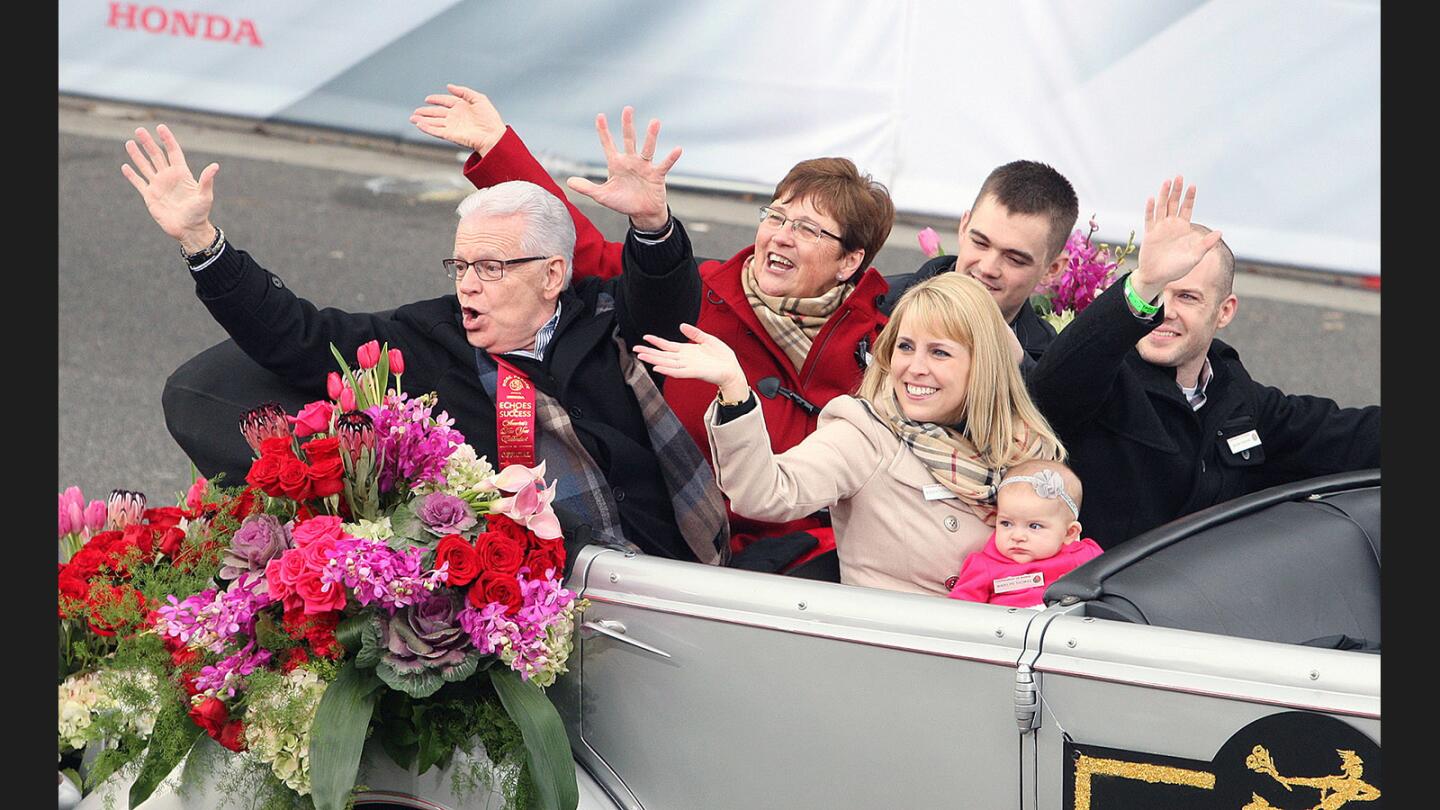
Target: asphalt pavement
point(361, 224)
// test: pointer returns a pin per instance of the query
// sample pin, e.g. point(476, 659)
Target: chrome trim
point(788, 628)
point(396, 797)
point(1231, 695)
point(613, 629)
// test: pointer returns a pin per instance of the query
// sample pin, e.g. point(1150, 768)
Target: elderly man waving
point(627, 472)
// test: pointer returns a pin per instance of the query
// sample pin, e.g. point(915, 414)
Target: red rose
point(170, 541)
point(509, 528)
point(161, 518)
point(210, 715)
point(540, 560)
point(323, 449)
point(110, 608)
point(327, 478)
point(183, 657)
point(493, 587)
point(464, 561)
point(294, 479)
point(232, 736)
point(264, 473)
point(241, 505)
point(279, 446)
point(500, 553)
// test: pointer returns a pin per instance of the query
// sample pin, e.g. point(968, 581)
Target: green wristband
point(1136, 302)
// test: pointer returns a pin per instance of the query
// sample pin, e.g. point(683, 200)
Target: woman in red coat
point(800, 305)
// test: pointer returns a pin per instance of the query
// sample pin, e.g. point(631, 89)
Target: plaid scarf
point(792, 323)
point(581, 488)
point(948, 454)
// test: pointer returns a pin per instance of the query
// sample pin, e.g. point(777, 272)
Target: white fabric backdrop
point(1271, 108)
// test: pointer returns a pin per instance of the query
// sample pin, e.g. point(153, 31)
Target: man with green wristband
point(1161, 419)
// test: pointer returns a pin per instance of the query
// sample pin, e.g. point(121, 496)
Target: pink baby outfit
point(981, 570)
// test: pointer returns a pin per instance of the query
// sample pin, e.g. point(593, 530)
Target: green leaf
point(161, 759)
point(432, 748)
point(409, 529)
point(371, 645)
point(351, 629)
point(337, 736)
point(547, 749)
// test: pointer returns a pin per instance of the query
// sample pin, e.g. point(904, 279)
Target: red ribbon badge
point(514, 416)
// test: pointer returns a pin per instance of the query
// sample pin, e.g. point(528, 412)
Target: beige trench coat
point(887, 533)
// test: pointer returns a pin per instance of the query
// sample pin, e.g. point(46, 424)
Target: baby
point(1036, 538)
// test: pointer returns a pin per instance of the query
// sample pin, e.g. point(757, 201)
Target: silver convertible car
point(1230, 659)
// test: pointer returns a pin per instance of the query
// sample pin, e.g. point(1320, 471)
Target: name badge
point(938, 492)
point(1019, 582)
point(1244, 441)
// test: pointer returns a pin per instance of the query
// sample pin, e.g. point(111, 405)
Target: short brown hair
point(1030, 188)
point(859, 204)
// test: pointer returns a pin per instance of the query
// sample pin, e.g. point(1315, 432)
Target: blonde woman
point(908, 465)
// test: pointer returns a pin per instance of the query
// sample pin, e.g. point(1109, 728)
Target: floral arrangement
point(1090, 267)
point(372, 576)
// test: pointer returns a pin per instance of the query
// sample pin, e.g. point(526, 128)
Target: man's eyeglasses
point(808, 231)
point(488, 269)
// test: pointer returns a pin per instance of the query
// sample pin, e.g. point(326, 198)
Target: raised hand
point(178, 202)
point(636, 184)
point(1170, 247)
point(705, 358)
point(463, 117)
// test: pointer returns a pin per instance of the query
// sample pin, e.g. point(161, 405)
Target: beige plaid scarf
point(792, 323)
point(948, 454)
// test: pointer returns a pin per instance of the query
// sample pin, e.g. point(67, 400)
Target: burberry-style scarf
point(948, 454)
point(581, 488)
point(792, 323)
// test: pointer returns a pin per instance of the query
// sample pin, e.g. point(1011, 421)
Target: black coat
point(1034, 333)
point(1144, 457)
point(290, 337)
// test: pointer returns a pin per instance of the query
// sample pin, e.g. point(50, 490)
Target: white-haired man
point(627, 472)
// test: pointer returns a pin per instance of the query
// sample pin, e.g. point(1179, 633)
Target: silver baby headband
point(1047, 484)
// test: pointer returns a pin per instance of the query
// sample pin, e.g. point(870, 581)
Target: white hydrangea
point(467, 477)
point(85, 697)
point(79, 697)
point(277, 727)
point(370, 529)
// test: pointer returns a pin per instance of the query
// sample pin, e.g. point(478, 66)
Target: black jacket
point(291, 337)
point(1144, 457)
point(1034, 333)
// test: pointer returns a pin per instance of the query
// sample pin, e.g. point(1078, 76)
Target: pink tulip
point(930, 243)
point(95, 515)
point(334, 385)
point(347, 399)
point(196, 496)
point(397, 362)
point(368, 354)
point(72, 511)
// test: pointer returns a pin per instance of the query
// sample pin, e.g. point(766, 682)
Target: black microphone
point(770, 386)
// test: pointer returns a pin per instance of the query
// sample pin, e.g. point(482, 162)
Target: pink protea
point(265, 421)
point(123, 508)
